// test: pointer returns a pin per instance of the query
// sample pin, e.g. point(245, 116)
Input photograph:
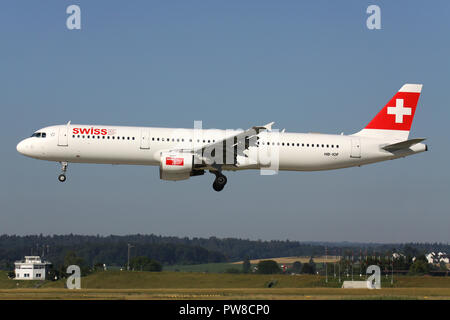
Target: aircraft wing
point(402, 145)
point(235, 144)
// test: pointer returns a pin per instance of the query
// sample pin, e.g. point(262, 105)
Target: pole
point(392, 278)
point(339, 266)
point(334, 264)
point(128, 263)
point(326, 264)
point(360, 262)
point(352, 265)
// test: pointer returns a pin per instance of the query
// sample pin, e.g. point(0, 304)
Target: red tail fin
point(397, 114)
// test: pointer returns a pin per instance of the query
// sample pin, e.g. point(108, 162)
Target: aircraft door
point(145, 138)
point(63, 136)
point(356, 148)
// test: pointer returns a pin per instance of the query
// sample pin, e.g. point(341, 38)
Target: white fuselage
point(144, 145)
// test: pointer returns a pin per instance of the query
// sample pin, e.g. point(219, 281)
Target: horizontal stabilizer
point(402, 145)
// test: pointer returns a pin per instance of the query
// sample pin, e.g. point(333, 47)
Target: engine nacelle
point(176, 166)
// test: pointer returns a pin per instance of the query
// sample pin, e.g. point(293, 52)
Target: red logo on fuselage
point(171, 161)
point(94, 131)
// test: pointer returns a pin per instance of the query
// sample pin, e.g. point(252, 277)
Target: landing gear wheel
point(218, 187)
point(62, 176)
point(219, 182)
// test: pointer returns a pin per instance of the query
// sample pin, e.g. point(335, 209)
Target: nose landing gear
point(62, 176)
point(219, 182)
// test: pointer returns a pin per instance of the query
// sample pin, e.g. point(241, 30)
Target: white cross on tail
point(399, 111)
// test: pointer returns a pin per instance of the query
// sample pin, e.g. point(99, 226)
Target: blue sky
point(308, 66)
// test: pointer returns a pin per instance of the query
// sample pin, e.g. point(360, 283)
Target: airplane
point(184, 153)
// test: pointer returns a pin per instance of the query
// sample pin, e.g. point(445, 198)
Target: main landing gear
point(220, 181)
point(62, 176)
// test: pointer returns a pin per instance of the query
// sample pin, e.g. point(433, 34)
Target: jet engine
point(176, 166)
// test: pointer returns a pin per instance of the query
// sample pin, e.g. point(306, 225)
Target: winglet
point(267, 127)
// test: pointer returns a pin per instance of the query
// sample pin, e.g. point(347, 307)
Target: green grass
point(6, 283)
point(170, 279)
point(207, 267)
point(198, 285)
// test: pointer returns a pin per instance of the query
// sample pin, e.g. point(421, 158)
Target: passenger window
point(337, 146)
point(43, 135)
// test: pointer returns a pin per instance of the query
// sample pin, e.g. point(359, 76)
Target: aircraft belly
point(102, 155)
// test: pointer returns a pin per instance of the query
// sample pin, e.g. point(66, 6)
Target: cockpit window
point(39, 135)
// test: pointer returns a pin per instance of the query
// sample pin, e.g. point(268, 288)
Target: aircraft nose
point(21, 147)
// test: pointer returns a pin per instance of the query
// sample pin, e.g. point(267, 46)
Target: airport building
point(31, 268)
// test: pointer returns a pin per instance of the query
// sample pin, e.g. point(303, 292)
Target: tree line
point(113, 250)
